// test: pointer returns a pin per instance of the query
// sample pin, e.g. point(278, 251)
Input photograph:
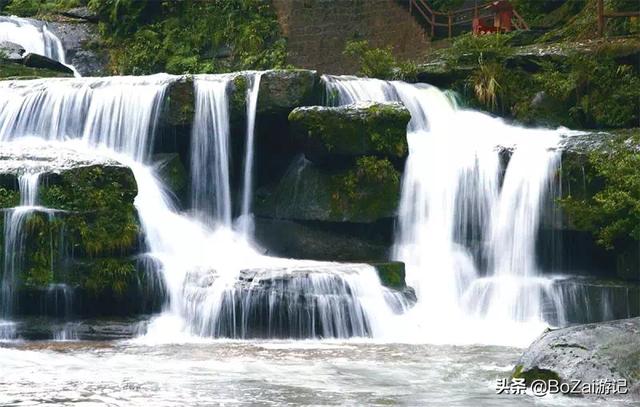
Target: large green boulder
point(367, 191)
point(352, 130)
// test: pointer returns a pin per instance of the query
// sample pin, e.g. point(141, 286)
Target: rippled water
point(128, 373)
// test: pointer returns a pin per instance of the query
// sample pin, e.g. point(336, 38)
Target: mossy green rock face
point(13, 70)
point(89, 218)
point(366, 192)
point(590, 353)
point(353, 130)
point(180, 102)
point(392, 274)
point(170, 169)
point(282, 90)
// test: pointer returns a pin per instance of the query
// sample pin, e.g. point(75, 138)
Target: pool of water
point(132, 373)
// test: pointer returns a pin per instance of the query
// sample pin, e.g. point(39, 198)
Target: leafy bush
point(379, 62)
point(190, 36)
point(613, 213)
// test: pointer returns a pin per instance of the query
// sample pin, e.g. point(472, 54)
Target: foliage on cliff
point(379, 62)
point(190, 36)
point(612, 213)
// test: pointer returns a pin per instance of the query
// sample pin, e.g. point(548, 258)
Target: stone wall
point(317, 31)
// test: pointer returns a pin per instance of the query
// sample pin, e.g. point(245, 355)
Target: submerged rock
point(356, 129)
point(590, 353)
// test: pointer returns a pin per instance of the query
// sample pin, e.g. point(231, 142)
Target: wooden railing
point(602, 16)
point(462, 16)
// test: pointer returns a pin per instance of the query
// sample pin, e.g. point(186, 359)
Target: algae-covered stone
point(589, 353)
point(392, 274)
point(356, 129)
point(85, 211)
point(172, 172)
point(180, 102)
point(282, 90)
point(367, 191)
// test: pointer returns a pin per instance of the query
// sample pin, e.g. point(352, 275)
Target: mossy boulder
point(14, 70)
point(392, 274)
point(42, 62)
point(85, 215)
point(180, 102)
point(590, 353)
point(367, 191)
point(281, 90)
point(352, 130)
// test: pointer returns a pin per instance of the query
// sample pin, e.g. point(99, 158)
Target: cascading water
point(119, 113)
point(210, 186)
point(245, 221)
point(468, 242)
point(34, 36)
point(204, 262)
point(14, 246)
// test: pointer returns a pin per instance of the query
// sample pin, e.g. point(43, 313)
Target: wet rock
point(85, 231)
point(83, 48)
point(170, 169)
point(39, 61)
point(282, 90)
point(323, 240)
point(11, 51)
point(357, 129)
point(364, 193)
point(82, 13)
point(590, 353)
point(391, 273)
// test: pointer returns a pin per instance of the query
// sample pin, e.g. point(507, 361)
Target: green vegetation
point(612, 212)
point(190, 36)
point(370, 189)
point(102, 217)
point(29, 8)
point(353, 130)
point(379, 62)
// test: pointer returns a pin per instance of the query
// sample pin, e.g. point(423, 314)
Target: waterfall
point(34, 36)
point(14, 240)
point(119, 113)
point(466, 235)
point(217, 283)
point(246, 223)
point(210, 185)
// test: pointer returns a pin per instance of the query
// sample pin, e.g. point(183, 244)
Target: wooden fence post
point(450, 21)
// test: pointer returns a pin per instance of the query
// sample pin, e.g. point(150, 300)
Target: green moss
point(534, 374)
point(238, 100)
point(9, 198)
point(181, 102)
point(101, 217)
point(113, 274)
point(11, 70)
point(29, 8)
point(349, 130)
point(369, 191)
point(612, 211)
point(392, 274)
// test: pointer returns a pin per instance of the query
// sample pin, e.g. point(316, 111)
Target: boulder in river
point(589, 353)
